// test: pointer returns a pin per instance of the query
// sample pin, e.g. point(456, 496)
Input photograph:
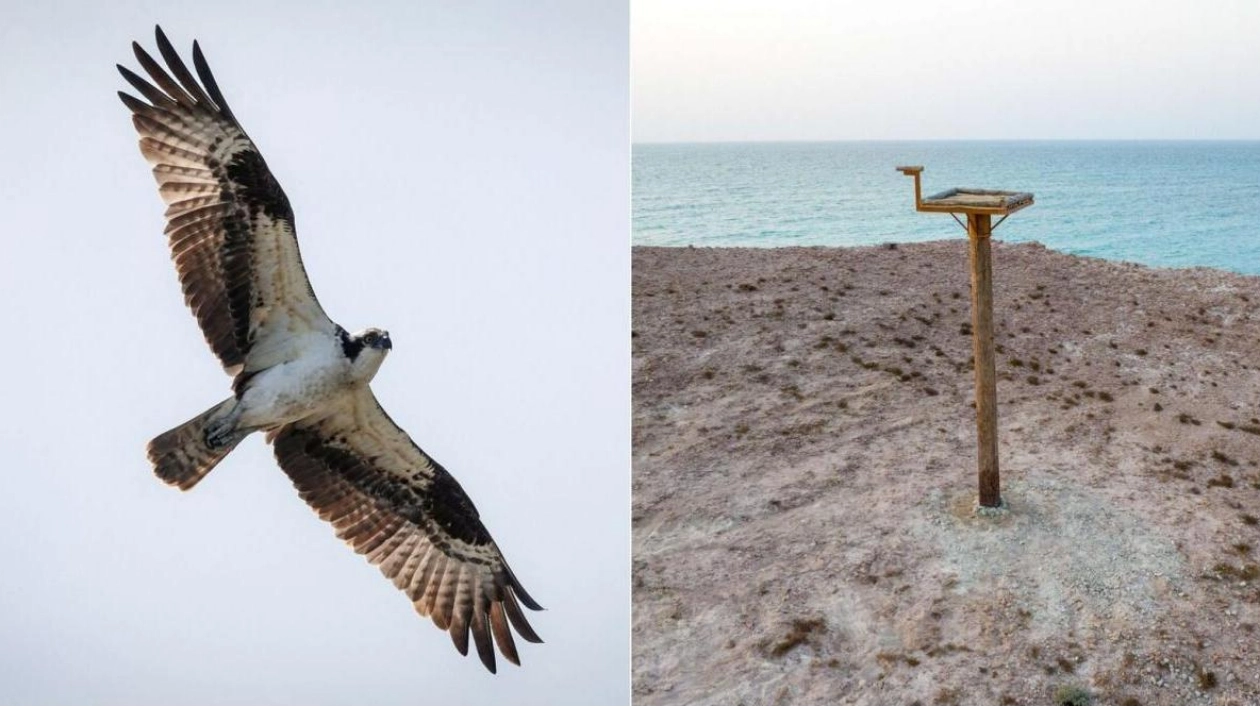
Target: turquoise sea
point(1168, 204)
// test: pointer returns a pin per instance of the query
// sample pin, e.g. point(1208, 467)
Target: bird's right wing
point(231, 229)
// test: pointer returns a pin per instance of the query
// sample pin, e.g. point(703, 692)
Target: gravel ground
point(804, 480)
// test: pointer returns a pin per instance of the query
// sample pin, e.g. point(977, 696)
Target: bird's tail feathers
point(183, 456)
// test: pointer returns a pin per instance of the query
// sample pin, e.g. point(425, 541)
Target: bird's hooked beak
point(386, 343)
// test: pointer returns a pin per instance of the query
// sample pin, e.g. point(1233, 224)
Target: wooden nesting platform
point(990, 202)
point(977, 201)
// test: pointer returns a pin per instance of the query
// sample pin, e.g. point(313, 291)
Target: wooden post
point(978, 230)
point(980, 205)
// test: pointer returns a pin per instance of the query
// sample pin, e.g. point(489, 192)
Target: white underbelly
point(290, 391)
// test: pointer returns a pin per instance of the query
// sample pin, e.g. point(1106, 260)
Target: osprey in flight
point(297, 375)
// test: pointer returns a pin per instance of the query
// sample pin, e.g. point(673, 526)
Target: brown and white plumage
point(298, 375)
point(392, 503)
point(230, 225)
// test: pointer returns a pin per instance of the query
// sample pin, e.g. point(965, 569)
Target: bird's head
point(366, 350)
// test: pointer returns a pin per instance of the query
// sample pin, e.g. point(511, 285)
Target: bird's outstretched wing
point(230, 226)
point(394, 504)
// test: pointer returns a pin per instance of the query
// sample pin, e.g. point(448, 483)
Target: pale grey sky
point(732, 70)
point(459, 171)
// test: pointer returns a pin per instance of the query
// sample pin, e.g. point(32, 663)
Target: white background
point(459, 172)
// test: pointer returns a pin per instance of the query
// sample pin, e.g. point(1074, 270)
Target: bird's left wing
point(397, 506)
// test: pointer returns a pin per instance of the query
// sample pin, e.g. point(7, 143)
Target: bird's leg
point(222, 432)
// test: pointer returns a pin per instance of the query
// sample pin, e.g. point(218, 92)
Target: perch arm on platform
point(918, 191)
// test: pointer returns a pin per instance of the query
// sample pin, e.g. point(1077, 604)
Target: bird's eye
point(370, 338)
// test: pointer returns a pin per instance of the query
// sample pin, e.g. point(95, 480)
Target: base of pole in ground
point(992, 511)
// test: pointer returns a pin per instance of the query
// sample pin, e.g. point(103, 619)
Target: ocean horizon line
point(1160, 203)
point(958, 141)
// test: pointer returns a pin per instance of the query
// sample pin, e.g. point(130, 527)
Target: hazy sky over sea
point(460, 176)
point(731, 70)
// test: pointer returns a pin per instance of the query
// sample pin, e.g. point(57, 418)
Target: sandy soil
point(804, 480)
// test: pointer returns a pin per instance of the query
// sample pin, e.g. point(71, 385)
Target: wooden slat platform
point(977, 201)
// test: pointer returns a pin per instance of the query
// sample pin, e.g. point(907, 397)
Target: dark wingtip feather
point(481, 637)
point(130, 101)
point(458, 630)
point(141, 55)
point(160, 76)
point(162, 41)
point(146, 89)
point(484, 650)
point(518, 620)
point(180, 70)
point(525, 598)
point(212, 86)
point(132, 77)
point(520, 592)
